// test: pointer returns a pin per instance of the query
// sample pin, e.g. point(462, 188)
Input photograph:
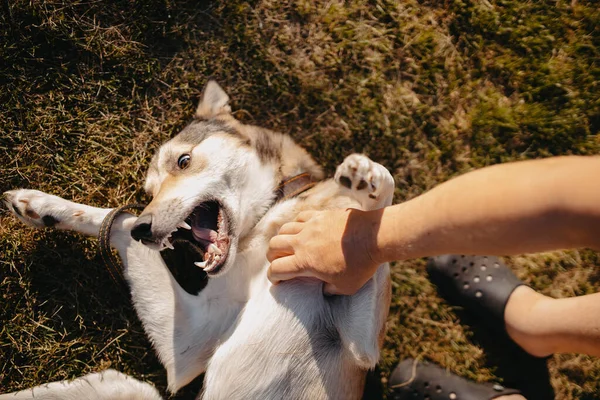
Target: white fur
point(108, 384)
point(253, 339)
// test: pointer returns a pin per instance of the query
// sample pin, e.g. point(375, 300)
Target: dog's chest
point(283, 346)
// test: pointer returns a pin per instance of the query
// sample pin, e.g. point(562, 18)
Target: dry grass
point(430, 89)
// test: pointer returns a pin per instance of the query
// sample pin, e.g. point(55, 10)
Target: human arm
point(505, 209)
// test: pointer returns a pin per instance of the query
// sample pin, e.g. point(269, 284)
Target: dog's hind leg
point(183, 328)
point(360, 318)
point(105, 385)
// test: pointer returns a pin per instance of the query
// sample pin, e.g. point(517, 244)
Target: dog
point(217, 186)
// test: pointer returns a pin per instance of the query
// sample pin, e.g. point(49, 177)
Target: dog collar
point(292, 187)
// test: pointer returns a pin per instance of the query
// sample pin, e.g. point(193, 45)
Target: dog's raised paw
point(34, 208)
point(358, 172)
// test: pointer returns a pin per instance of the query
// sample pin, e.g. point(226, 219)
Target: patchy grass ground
point(431, 89)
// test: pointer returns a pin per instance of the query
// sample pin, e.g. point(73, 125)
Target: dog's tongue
point(204, 234)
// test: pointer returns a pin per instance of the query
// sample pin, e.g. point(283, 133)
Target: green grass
point(430, 89)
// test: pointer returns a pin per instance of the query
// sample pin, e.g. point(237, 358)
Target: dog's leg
point(370, 183)
point(39, 209)
point(105, 385)
point(361, 318)
point(183, 328)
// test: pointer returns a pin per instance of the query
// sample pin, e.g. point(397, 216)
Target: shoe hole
point(452, 396)
point(466, 285)
point(426, 384)
point(478, 294)
point(454, 261)
point(438, 389)
point(427, 398)
point(471, 264)
point(496, 265)
point(463, 256)
point(464, 269)
point(483, 267)
point(488, 278)
point(456, 274)
point(415, 393)
point(476, 279)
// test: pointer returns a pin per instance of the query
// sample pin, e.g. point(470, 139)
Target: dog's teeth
point(212, 248)
point(209, 269)
point(204, 266)
point(169, 245)
point(184, 225)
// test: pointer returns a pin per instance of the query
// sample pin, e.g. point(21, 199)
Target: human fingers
point(330, 289)
point(286, 268)
point(290, 228)
point(279, 246)
point(305, 215)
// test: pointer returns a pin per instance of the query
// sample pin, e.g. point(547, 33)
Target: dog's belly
point(285, 345)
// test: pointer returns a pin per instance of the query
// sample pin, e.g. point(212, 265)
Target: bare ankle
point(524, 317)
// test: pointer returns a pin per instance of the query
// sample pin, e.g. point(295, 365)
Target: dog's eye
point(184, 161)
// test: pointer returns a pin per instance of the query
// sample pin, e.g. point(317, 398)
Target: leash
point(110, 260)
point(287, 189)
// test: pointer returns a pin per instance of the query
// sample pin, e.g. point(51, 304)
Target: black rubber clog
point(481, 284)
point(423, 381)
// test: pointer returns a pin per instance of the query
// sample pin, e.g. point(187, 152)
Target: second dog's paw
point(34, 208)
point(360, 173)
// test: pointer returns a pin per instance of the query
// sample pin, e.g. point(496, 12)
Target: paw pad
point(31, 207)
point(359, 173)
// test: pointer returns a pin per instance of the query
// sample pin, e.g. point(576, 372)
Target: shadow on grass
point(88, 322)
point(373, 385)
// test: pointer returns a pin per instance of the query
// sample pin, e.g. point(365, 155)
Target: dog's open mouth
point(206, 230)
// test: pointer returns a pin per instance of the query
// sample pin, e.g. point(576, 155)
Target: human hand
point(334, 246)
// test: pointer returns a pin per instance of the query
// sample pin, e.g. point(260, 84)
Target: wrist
point(404, 231)
point(372, 221)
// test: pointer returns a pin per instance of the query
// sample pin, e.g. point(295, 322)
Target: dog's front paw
point(358, 172)
point(34, 208)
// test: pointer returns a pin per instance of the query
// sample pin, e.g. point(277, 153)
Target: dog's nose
point(142, 229)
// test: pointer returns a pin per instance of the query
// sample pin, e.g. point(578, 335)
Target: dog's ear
point(214, 101)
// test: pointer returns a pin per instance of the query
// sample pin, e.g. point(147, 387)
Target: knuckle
point(273, 267)
point(305, 215)
point(293, 241)
point(270, 257)
point(273, 241)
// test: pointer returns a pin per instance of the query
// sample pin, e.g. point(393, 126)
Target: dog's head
point(212, 182)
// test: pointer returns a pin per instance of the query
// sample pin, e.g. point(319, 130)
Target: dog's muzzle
point(142, 229)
